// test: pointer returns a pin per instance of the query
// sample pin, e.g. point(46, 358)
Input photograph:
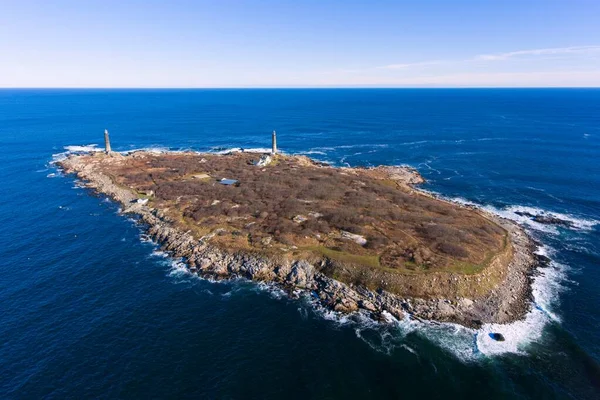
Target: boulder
point(367, 305)
point(354, 237)
point(302, 274)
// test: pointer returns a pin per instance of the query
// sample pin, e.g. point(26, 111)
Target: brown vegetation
point(294, 207)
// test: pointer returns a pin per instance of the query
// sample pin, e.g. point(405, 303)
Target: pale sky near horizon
point(427, 43)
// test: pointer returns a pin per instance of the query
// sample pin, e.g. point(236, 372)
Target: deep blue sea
point(91, 309)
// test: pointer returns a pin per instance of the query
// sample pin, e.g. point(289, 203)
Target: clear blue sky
point(302, 43)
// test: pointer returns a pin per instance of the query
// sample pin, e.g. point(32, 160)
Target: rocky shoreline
point(506, 302)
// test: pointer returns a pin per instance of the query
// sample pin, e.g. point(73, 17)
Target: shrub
point(452, 250)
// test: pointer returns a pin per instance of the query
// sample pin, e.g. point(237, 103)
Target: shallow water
point(90, 308)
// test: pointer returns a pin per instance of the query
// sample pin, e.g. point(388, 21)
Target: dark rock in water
point(525, 214)
point(498, 337)
point(552, 220)
point(477, 323)
point(542, 260)
point(546, 219)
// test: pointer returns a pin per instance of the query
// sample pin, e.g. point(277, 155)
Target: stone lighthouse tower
point(107, 142)
point(274, 143)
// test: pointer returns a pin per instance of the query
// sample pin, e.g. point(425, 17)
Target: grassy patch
point(342, 256)
point(466, 268)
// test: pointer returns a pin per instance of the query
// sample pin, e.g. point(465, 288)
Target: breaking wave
point(548, 283)
point(74, 149)
point(221, 150)
point(512, 212)
point(82, 149)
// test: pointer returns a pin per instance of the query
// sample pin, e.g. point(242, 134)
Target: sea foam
point(511, 212)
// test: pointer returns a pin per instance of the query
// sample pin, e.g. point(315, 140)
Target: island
point(356, 239)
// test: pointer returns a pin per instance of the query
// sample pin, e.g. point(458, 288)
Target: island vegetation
point(365, 227)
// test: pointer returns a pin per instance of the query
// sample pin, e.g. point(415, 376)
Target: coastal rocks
point(444, 308)
point(259, 271)
point(345, 305)
point(552, 220)
point(542, 260)
point(546, 218)
point(465, 303)
point(405, 174)
point(504, 300)
point(282, 271)
point(367, 305)
point(302, 274)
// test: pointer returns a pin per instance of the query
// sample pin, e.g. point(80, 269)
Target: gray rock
point(302, 273)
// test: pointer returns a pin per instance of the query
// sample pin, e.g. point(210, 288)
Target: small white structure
point(228, 182)
point(264, 160)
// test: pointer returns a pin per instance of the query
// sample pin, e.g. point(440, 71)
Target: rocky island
point(357, 239)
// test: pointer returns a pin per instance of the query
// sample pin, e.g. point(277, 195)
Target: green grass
point(410, 268)
point(342, 256)
point(466, 268)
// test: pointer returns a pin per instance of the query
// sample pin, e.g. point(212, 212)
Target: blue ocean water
point(90, 309)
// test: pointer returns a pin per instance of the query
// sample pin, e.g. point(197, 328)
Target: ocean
point(90, 308)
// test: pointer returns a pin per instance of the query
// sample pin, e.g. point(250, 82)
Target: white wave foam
point(179, 269)
point(271, 288)
point(516, 335)
point(239, 150)
point(453, 338)
point(410, 349)
point(88, 148)
point(159, 253)
point(511, 213)
point(545, 251)
point(152, 149)
point(546, 287)
point(579, 223)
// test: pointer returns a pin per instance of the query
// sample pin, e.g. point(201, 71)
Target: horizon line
point(282, 87)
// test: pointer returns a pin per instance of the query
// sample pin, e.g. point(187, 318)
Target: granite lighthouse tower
point(106, 142)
